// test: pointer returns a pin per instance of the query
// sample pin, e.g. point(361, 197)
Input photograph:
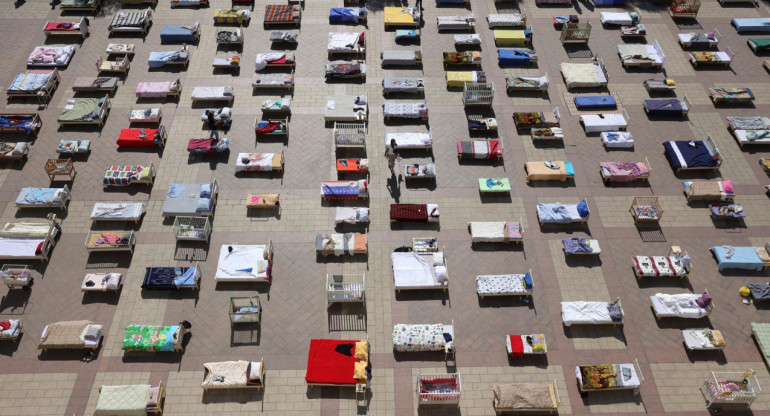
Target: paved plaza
point(294, 303)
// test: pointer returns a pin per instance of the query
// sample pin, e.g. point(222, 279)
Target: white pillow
point(19, 148)
point(255, 371)
point(441, 274)
point(438, 259)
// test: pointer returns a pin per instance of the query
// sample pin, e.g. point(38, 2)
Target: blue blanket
point(553, 213)
point(595, 101)
point(664, 106)
point(755, 24)
point(22, 122)
point(513, 57)
point(698, 156)
point(38, 195)
point(742, 258)
point(340, 189)
point(176, 34)
point(158, 59)
point(187, 279)
point(576, 245)
point(338, 15)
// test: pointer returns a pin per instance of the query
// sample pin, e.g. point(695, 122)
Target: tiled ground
point(59, 383)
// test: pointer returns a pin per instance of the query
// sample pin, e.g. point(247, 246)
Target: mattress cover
point(118, 210)
point(212, 92)
point(130, 400)
point(581, 312)
point(503, 284)
point(583, 75)
point(414, 270)
point(243, 262)
point(421, 337)
point(410, 140)
point(621, 139)
point(327, 365)
point(679, 305)
point(225, 374)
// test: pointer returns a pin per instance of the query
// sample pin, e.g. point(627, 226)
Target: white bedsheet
point(407, 140)
point(234, 266)
point(698, 339)
point(19, 247)
point(351, 215)
point(212, 92)
point(487, 231)
point(619, 139)
point(583, 75)
point(581, 312)
point(118, 210)
point(593, 123)
point(343, 41)
point(412, 270)
point(681, 305)
point(613, 18)
point(496, 284)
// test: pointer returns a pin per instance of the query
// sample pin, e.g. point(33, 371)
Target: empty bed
point(505, 285)
point(592, 313)
point(245, 263)
point(419, 270)
point(495, 231)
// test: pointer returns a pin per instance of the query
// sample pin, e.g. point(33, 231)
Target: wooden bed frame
point(82, 31)
point(673, 251)
point(103, 111)
point(48, 243)
point(517, 294)
point(646, 201)
point(143, 29)
point(111, 247)
point(45, 92)
point(121, 66)
point(607, 179)
point(710, 143)
point(284, 120)
point(173, 92)
point(264, 197)
point(62, 207)
point(60, 167)
point(509, 89)
point(528, 411)
point(361, 389)
point(729, 53)
point(359, 52)
point(35, 117)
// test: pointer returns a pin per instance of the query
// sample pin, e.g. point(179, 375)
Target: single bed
point(609, 377)
point(516, 83)
point(245, 263)
point(85, 111)
point(711, 58)
point(512, 37)
point(746, 258)
point(271, 128)
point(456, 22)
point(275, 60)
point(549, 171)
point(172, 278)
point(516, 57)
point(124, 175)
point(472, 58)
point(131, 22)
point(346, 70)
point(346, 43)
point(100, 241)
point(161, 59)
point(118, 211)
point(637, 31)
point(471, 39)
point(29, 240)
point(731, 95)
point(558, 213)
point(726, 210)
point(682, 305)
point(274, 80)
point(343, 15)
point(142, 137)
point(332, 362)
point(139, 399)
point(580, 246)
point(659, 85)
point(189, 3)
point(12, 332)
point(353, 165)
point(759, 45)
point(281, 105)
point(230, 37)
point(407, 35)
point(338, 190)
point(703, 339)
point(662, 266)
point(667, 106)
point(232, 16)
point(505, 285)
point(402, 58)
point(283, 14)
point(592, 313)
point(80, 5)
point(391, 110)
point(420, 171)
point(151, 338)
point(752, 24)
point(192, 200)
point(180, 34)
point(402, 16)
point(233, 375)
point(619, 18)
point(480, 149)
point(754, 136)
point(346, 108)
point(507, 20)
point(120, 65)
point(700, 40)
point(589, 75)
point(79, 28)
point(14, 150)
point(597, 123)
point(642, 56)
point(494, 185)
point(411, 140)
point(259, 162)
point(338, 244)
point(403, 85)
point(414, 212)
point(708, 191)
point(528, 120)
point(420, 270)
point(351, 215)
point(625, 171)
point(43, 198)
point(686, 155)
point(29, 123)
point(526, 397)
point(159, 89)
point(595, 102)
point(95, 84)
point(496, 231)
point(200, 94)
point(71, 335)
point(761, 333)
point(423, 337)
point(38, 83)
point(45, 56)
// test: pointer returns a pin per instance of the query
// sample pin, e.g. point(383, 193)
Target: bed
point(438, 389)
point(43, 198)
point(507, 20)
point(338, 190)
point(35, 83)
point(351, 135)
point(580, 246)
point(711, 58)
point(526, 397)
point(281, 105)
point(480, 123)
point(71, 335)
point(419, 270)
point(259, 162)
point(746, 258)
point(12, 332)
point(95, 84)
point(79, 5)
point(271, 128)
point(346, 71)
point(423, 337)
point(659, 85)
point(45, 56)
point(275, 60)
point(752, 24)
point(343, 15)
point(213, 94)
point(637, 31)
point(403, 85)
point(480, 149)
point(328, 365)
point(549, 171)
point(29, 123)
point(703, 339)
point(619, 18)
point(99, 241)
point(682, 305)
point(731, 95)
point(516, 83)
point(726, 210)
point(274, 80)
point(346, 43)
point(575, 33)
point(646, 209)
point(189, 3)
point(609, 377)
point(661, 266)
point(481, 94)
point(420, 171)
point(172, 278)
point(667, 106)
point(230, 37)
point(462, 58)
point(233, 375)
point(558, 213)
point(346, 108)
point(196, 200)
point(283, 14)
point(402, 58)
point(351, 215)
point(686, 155)
point(353, 165)
point(180, 34)
point(85, 111)
point(597, 123)
point(642, 56)
point(625, 171)
point(761, 333)
point(494, 185)
point(118, 211)
point(131, 22)
point(684, 8)
point(759, 45)
point(512, 37)
point(152, 338)
point(471, 39)
point(456, 22)
point(496, 231)
point(700, 40)
point(516, 57)
point(505, 285)
point(391, 110)
point(245, 263)
point(14, 150)
point(750, 130)
point(142, 137)
point(138, 399)
point(407, 35)
point(402, 16)
point(528, 120)
point(79, 28)
point(159, 89)
point(29, 240)
point(338, 244)
point(708, 191)
point(592, 313)
point(414, 212)
point(589, 75)
point(124, 175)
point(232, 16)
point(410, 140)
point(121, 65)
point(161, 59)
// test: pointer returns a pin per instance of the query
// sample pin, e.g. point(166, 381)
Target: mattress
point(505, 37)
point(346, 70)
point(585, 313)
point(680, 305)
point(403, 85)
point(559, 213)
point(170, 278)
point(505, 19)
point(494, 185)
point(212, 93)
point(101, 282)
point(415, 271)
point(243, 263)
point(583, 75)
point(617, 139)
point(50, 55)
point(338, 244)
point(128, 20)
point(402, 16)
point(421, 337)
point(595, 101)
point(129, 400)
point(613, 18)
point(346, 108)
point(282, 13)
point(86, 110)
point(580, 245)
point(21, 247)
point(345, 41)
point(401, 57)
point(523, 397)
point(118, 210)
point(759, 291)
point(698, 39)
point(515, 57)
point(472, 39)
point(756, 24)
point(344, 189)
point(681, 155)
point(188, 199)
point(178, 34)
point(455, 22)
point(659, 266)
point(703, 339)
point(414, 212)
point(539, 171)
point(595, 123)
point(410, 140)
point(745, 258)
point(706, 57)
point(31, 81)
point(282, 104)
point(50, 197)
point(480, 149)
point(629, 377)
point(535, 83)
point(639, 55)
point(503, 284)
point(351, 215)
point(666, 106)
point(458, 79)
point(139, 138)
point(70, 335)
point(153, 89)
point(326, 365)
point(405, 110)
point(338, 15)
point(258, 162)
point(494, 231)
point(74, 146)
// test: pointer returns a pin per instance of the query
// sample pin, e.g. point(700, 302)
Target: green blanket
point(149, 338)
point(762, 334)
point(82, 109)
point(760, 44)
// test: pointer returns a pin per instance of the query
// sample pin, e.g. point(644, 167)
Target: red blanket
point(495, 149)
point(59, 26)
point(134, 138)
point(268, 128)
point(409, 212)
point(207, 145)
point(327, 366)
point(517, 346)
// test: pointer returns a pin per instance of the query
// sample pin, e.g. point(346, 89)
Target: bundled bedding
point(593, 313)
point(516, 57)
point(244, 263)
point(504, 285)
point(272, 128)
point(11, 329)
point(415, 270)
point(259, 162)
point(345, 189)
point(171, 278)
point(342, 15)
point(700, 40)
point(683, 305)
point(16, 150)
point(414, 212)
point(422, 337)
point(234, 36)
point(558, 213)
point(703, 339)
point(480, 149)
point(51, 55)
point(339, 244)
point(746, 258)
point(151, 338)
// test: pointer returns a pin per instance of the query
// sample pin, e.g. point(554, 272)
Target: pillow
point(527, 281)
point(206, 191)
point(255, 371)
point(704, 301)
point(39, 249)
point(441, 274)
point(359, 371)
point(727, 186)
point(204, 205)
point(19, 149)
point(362, 350)
point(93, 333)
point(582, 209)
point(438, 259)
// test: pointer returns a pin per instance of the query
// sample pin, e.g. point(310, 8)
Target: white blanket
point(594, 123)
point(473, 39)
point(619, 139)
point(581, 312)
point(264, 58)
point(583, 75)
point(613, 18)
point(351, 215)
point(680, 305)
point(412, 270)
point(212, 92)
point(119, 210)
point(489, 232)
point(242, 264)
point(407, 140)
point(346, 41)
point(19, 247)
point(501, 284)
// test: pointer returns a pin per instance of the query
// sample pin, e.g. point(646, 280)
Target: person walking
point(418, 2)
point(390, 153)
point(212, 122)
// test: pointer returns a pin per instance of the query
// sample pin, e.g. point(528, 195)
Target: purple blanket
point(576, 245)
point(343, 189)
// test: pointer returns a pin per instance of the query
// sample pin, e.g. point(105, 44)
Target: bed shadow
point(240, 396)
point(331, 259)
point(629, 184)
point(735, 224)
point(425, 295)
point(551, 184)
point(426, 356)
point(347, 317)
point(108, 297)
point(245, 334)
point(496, 246)
point(610, 397)
point(408, 225)
point(664, 281)
point(8, 348)
point(155, 358)
point(595, 332)
point(495, 197)
point(506, 302)
point(112, 259)
point(717, 356)
point(421, 183)
point(15, 302)
point(679, 323)
point(583, 260)
point(71, 355)
point(529, 360)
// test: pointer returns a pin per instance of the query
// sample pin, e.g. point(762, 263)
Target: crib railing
point(439, 397)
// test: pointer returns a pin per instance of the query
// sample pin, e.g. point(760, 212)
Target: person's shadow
point(394, 186)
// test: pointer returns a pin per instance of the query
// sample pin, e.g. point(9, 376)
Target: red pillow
point(39, 249)
point(361, 38)
point(715, 157)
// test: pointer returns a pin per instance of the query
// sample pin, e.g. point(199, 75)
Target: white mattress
point(583, 75)
point(412, 270)
point(592, 123)
point(498, 284)
point(593, 244)
point(343, 41)
point(19, 247)
point(264, 164)
point(685, 39)
point(87, 343)
point(118, 210)
point(212, 92)
point(407, 140)
point(627, 51)
point(527, 348)
point(487, 231)
point(398, 58)
point(344, 108)
point(233, 266)
point(351, 215)
point(696, 339)
point(614, 18)
point(473, 39)
point(742, 134)
point(681, 305)
point(620, 139)
point(581, 312)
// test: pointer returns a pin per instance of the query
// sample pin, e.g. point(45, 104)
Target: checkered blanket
point(121, 175)
point(409, 212)
point(279, 13)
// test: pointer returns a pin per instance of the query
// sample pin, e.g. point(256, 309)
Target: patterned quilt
point(149, 338)
point(420, 337)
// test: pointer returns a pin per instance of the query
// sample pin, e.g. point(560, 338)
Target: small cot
point(642, 56)
point(131, 22)
point(346, 108)
point(20, 123)
point(472, 58)
point(278, 127)
point(424, 337)
point(684, 8)
point(420, 270)
point(391, 110)
point(625, 171)
point(338, 190)
point(351, 215)
point(245, 310)
point(138, 399)
point(406, 141)
point(29, 240)
point(281, 105)
point(580, 246)
point(60, 167)
point(745, 258)
point(263, 201)
point(401, 16)
point(471, 39)
point(420, 171)
point(14, 150)
point(682, 305)
point(340, 363)
point(438, 389)
point(526, 397)
point(481, 95)
point(414, 213)
point(759, 45)
point(494, 185)
point(159, 89)
point(609, 377)
point(267, 81)
point(597, 123)
point(516, 57)
point(85, 111)
point(13, 331)
point(95, 84)
point(124, 175)
point(122, 65)
point(245, 263)
point(520, 285)
point(346, 43)
point(259, 162)
point(347, 71)
point(338, 244)
point(507, 20)
point(456, 22)
point(479, 123)
point(352, 135)
point(71, 335)
point(43, 198)
point(343, 15)
point(572, 33)
point(353, 166)
point(480, 149)
point(549, 171)
point(407, 35)
point(402, 58)
point(589, 75)
point(536, 84)
point(40, 84)
point(403, 85)
point(558, 213)
point(619, 18)
point(192, 200)
point(99, 241)
point(234, 375)
point(172, 278)
point(731, 95)
point(708, 191)
point(667, 106)
point(120, 49)
point(142, 137)
point(592, 313)
point(180, 34)
point(283, 14)
point(700, 40)
point(47, 56)
point(118, 211)
point(542, 2)
point(752, 24)
point(228, 62)
point(528, 120)
point(200, 94)
point(711, 58)
point(230, 37)
point(80, 5)
point(684, 155)
point(703, 339)
point(232, 16)
point(646, 209)
point(512, 37)
point(79, 28)
point(152, 338)
point(670, 265)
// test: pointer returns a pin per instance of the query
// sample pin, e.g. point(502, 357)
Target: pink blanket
point(152, 89)
point(625, 171)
